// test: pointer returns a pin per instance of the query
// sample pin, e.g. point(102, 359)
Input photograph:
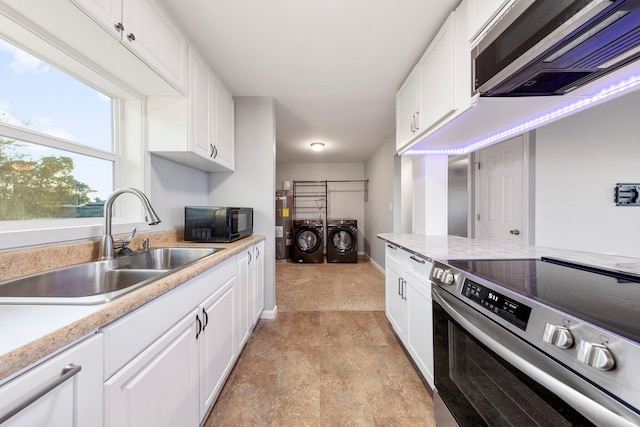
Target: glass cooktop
point(610, 300)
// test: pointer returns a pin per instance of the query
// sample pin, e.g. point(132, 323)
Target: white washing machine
point(307, 241)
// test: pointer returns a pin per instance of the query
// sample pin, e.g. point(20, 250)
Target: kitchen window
point(61, 150)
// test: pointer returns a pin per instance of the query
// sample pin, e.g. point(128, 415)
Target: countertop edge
point(16, 361)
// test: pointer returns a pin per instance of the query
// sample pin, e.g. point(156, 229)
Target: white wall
point(579, 160)
point(430, 194)
point(252, 184)
point(174, 186)
point(346, 200)
point(379, 210)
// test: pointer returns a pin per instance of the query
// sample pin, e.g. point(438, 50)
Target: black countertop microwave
point(217, 224)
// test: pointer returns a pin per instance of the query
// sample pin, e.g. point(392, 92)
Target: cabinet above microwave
point(471, 121)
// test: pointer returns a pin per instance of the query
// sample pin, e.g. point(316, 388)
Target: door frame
point(528, 189)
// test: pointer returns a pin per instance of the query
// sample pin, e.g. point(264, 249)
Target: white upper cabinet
point(197, 131)
point(439, 87)
point(147, 30)
point(480, 12)
point(407, 110)
point(224, 126)
point(437, 70)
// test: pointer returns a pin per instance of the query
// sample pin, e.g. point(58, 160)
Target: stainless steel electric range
point(535, 342)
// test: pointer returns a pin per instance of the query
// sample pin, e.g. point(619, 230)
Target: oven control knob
point(448, 278)
point(437, 273)
point(557, 335)
point(596, 355)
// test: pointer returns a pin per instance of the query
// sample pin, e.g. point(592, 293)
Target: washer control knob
point(557, 335)
point(448, 278)
point(596, 355)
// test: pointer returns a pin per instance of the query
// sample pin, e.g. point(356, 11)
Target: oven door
point(486, 376)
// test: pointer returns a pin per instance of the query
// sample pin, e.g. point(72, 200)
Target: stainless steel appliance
point(342, 240)
point(217, 224)
point(307, 241)
point(535, 342)
point(284, 212)
point(550, 47)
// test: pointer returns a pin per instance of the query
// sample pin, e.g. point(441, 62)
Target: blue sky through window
point(56, 104)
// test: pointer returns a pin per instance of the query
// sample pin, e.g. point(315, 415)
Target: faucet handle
point(123, 243)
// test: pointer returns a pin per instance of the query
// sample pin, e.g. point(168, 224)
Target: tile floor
point(323, 368)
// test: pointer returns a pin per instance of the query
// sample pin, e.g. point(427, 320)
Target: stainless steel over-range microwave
point(217, 224)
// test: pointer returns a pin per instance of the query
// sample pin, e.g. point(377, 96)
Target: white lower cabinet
point(395, 304)
point(158, 388)
point(250, 290)
point(175, 378)
point(75, 401)
point(419, 326)
point(258, 306)
point(408, 305)
point(217, 343)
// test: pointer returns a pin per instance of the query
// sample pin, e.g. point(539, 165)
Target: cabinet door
point(223, 132)
point(159, 387)
point(244, 258)
point(75, 402)
point(395, 304)
point(152, 35)
point(200, 106)
point(217, 343)
point(105, 12)
point(420, 326)
point(406, 110)
point(480, 12)
point(259, 299)
point(437, 77)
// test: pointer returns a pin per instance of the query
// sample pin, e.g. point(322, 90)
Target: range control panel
point(512, 311)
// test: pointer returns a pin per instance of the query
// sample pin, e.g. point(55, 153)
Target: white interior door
point(501, 213)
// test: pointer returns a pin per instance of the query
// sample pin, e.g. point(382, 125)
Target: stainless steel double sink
point(97, 282)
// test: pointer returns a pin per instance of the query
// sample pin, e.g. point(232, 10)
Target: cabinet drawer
point(417, 266)
point(393, 252)
point(75, 402)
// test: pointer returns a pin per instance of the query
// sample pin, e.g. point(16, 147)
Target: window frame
point(131, 161)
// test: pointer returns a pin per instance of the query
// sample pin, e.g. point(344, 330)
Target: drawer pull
point(67, 372)
point(413, 257)
point(392, 247)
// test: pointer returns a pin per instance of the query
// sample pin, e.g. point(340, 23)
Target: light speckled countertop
point(454, 247)
point(29, 333)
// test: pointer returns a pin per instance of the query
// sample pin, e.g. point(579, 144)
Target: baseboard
point(269, 314)
point(375, 264)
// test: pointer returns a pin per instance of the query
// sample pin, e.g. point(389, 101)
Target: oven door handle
point(529, 360)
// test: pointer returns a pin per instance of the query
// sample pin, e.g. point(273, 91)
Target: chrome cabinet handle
point(418, 260)
point(413, 125)
point(249, 252)
point(400, 286)
point(417, 124)
point(515, 232)
point(131, 37)
point(392, 247)
point(257, 252)
point(119, 27)
point(67, 372)
point(404, 289)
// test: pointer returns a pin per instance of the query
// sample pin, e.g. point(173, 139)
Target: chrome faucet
point(107, 245)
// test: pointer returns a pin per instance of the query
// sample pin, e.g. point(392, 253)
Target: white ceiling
point(333, 66)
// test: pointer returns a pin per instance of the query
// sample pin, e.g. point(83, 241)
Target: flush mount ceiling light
point(317, 146)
